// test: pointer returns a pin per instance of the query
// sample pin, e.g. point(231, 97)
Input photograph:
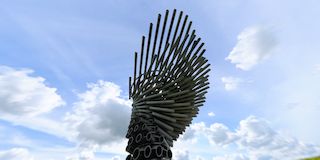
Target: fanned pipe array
point(168, 86)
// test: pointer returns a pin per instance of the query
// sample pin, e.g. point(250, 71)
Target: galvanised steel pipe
point(169, 84)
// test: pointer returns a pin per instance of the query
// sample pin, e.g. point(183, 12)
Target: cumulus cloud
point(189, 134)
point(16, 154)
point(261, 140)
point(254, 138)
point(219, 134)
point(231, 157)
point(181, 155)
point(87, 155)
point(22, 94)
point(255, 133)
point(100, 116)
point(193, 131)
point(254, 45)
point(230, 83)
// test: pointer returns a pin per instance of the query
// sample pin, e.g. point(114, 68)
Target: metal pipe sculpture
point(168, 86)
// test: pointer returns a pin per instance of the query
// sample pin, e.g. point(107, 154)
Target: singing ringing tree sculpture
point(168, 86)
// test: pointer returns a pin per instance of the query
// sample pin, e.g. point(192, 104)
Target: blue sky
point(63, 64)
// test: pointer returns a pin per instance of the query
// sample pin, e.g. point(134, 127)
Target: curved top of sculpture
point(169, 82)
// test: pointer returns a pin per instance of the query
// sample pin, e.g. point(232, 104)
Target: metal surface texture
point(168, 87)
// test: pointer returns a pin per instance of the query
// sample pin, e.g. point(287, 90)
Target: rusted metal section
point(168, 89)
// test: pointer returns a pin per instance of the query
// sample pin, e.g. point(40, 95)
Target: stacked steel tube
point(168, 86)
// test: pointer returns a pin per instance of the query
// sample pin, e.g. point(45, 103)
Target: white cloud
point(199, 158)
point(90, 156)
point(101, 116)
point(253, 139)
point(191, 132)
point(230, 83)
point(22, 94)
point(87, 155)
point(16, 154)
point(231, 157)
point(262, 141)
point(41, 124)
point(211, 114)
point(254, 45)
point(219, 134)
point(24, 98)
point(181, 155)
point(255, 133)
point(97, 122)
point(115, 158)
point(83, 153)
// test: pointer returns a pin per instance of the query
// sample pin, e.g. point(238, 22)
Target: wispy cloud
point(16, 154)
point(254, 45)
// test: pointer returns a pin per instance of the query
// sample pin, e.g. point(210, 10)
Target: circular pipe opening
point(136, 154)
point(144, 127)
point(148, 137)
point(169, 154)
point(138, 138)
point(165, 153)
point(161, 139)
point(159, 151)
point(130, 141)
point(136, 128)
point(147, 152)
